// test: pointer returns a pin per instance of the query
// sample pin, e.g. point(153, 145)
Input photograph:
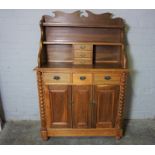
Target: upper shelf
point(81, 25)
point(71, 65)
point(94, 43)
point(62, 30)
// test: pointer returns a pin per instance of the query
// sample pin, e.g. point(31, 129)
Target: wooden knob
point(82, 77)
point(56, 77)
point(107, 77)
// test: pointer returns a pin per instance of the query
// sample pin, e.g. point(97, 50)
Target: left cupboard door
point(58, 106)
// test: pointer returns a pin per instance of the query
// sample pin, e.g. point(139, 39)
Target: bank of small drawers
point(83, 54)
point(82, 78)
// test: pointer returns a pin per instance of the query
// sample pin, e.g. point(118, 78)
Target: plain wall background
point(19, 44)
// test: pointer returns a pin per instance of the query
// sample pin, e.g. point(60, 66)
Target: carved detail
point(41, 100)
point(73, 15)
point(105, 17)
point(121, 100)
point(79, 17)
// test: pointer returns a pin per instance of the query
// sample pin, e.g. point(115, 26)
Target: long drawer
point(57, 78)
point(82, 78)
point(107, 78)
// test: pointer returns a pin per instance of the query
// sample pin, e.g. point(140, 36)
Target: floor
point(27, 132)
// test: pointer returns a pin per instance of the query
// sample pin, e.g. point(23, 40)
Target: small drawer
point(107, 78)
point(57, 78)
point(83, 47)
point(81, 78)
point(82, 54)
point(82, 61)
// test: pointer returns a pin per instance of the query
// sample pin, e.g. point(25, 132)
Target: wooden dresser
point(82, 73)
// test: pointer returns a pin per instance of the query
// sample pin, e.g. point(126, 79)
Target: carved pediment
point(79, 18)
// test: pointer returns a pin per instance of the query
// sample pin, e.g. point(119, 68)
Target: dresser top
point(82, 39)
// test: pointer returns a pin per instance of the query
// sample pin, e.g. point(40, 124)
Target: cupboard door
point(58, 107)
point(106, 104)
point(82, 95)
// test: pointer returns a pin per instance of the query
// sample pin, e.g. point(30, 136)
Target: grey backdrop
point(19, 43)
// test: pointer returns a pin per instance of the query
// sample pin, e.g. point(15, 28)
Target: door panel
point(58, 106)
point(106, 104)
point(82, 96)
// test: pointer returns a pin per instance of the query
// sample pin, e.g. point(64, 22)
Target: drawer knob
point(56, 77)
point(82, 77)
point(107, 77)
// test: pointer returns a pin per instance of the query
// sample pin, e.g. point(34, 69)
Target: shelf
point(94, 43)
point(81, 25)
point(71, 65)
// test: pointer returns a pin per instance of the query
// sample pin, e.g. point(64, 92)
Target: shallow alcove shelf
point(80, 25)
point(94, 43)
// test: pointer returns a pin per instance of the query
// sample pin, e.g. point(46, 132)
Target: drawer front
point(82, 54)
point(57, 78)
point(83, 47)
point(81, 78)
point(82, 61)
point(107, 78)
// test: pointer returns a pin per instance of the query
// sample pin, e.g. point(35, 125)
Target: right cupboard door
point(106, 104)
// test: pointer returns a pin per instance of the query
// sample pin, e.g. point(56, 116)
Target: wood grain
point(82, 96)
point(58, 102)
point(84, 132)
point(101, 78)
point(83, 54)
point(81, 73)
point(83, 61)
point(53, 78)
point(82, 34)
point(106, 101)
point(83, 47)
point(82, 78)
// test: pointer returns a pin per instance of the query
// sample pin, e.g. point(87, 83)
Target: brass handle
point(56, 77)
point(82, 77)
point(107, 77)
point(82, 46)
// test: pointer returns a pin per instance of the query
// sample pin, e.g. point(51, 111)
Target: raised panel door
point(58, 106)
point(82, 96)
point(106, 105)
